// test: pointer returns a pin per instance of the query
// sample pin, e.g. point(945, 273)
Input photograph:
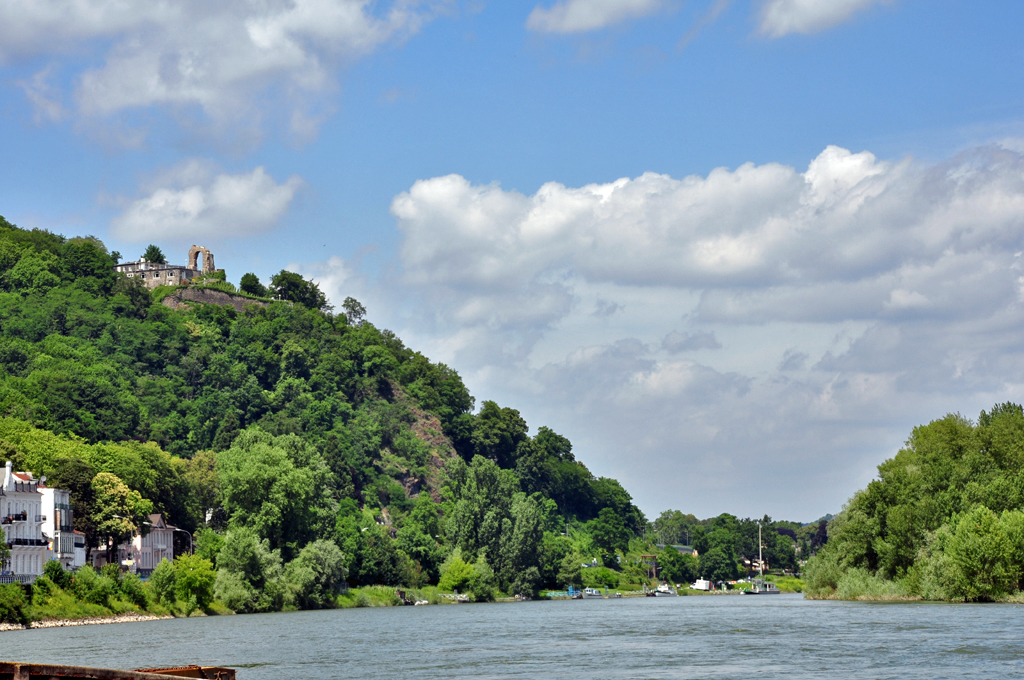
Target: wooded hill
point(293, 424)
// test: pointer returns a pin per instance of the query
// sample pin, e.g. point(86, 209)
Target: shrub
point(163, 581)
point(455, 573)
point(194, 579)
point(55, 572)
point(132, 589)
point(13, 605)
point(597, 577)
point(314, 575)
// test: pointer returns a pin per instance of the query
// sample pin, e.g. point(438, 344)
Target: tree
point(249, 576)
point(354, 311)
point(194, 579)
point(313, 577)
point(609, 531)
point(718, 565)
point(164, 581)
point(677, 567)
point(154, 254)
point(287, 285)
point(118, 512)
point(570, 570)
point(455, 573)
point(250, 284)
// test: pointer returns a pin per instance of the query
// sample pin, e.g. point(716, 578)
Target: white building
point(21, 517)
point(57, 516)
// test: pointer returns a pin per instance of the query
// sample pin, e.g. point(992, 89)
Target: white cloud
point(191, 201)
point(215, 57)
point(782, 17)
point(848, 302)
point(579, 16)
point(44, 97)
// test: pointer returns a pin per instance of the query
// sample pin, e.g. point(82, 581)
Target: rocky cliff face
point(210, 296)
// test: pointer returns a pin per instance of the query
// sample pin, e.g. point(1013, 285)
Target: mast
point(760, 559)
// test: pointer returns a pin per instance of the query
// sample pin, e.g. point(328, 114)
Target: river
point(778, 636)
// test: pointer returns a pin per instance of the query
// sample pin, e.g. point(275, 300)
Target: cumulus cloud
point(579, 16)
point(846, 302)
point(782, 17)
point(215, 57)
point(191, 200)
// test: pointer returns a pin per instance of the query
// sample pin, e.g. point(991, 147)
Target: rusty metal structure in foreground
point(39, 671)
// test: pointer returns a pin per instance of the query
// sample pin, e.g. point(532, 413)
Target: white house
point(57, 516)
point(21, 517)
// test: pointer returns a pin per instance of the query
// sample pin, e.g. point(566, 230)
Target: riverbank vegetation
point(943, 521)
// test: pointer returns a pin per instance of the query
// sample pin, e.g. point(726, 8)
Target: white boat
point(592, 594)
point(701, 584)
point(762, 587)
point(665, 590)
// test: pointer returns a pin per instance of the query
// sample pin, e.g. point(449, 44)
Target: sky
point(734, 250)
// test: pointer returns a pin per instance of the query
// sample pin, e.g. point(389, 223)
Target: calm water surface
point(782, 636)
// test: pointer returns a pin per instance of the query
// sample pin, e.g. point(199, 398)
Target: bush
point(55, 572)
point(194, 579)
point(235, 592)
point(13, 605)
point(94, 588)
point(598, 577)
point(164, 581)
point(314, 575)
point(133, 590)
point(455, 573)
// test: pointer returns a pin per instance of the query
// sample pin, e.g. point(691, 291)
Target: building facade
point(57, 525)
point(21, 518)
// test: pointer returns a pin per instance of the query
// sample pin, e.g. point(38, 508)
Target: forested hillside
point(287, 425)
point(943, 520)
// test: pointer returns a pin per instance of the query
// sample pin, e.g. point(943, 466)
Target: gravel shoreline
point(91, 621)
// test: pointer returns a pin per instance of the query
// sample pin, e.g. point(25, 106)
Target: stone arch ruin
point(193, 259)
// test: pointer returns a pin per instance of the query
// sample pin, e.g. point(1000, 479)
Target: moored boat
point(592, 594)
point(762, 587)
point(25, 671)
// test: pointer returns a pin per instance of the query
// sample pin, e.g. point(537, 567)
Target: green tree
point(717, 565)
point(250, 574)
point(677, 567)
point(164, 582)
point(570, 570)
point(313, 577)
point(194, 579)
point(354, 311)
point(609, 531)
point(118, 510)
point(455, 572)
point(154, 254)
point(287, 285)
point(250, 284)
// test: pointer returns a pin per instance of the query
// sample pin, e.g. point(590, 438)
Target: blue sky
point(734, 250)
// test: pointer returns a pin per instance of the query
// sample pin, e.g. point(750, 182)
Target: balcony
point(25, 541)
point(16, 517)
point(40, 518)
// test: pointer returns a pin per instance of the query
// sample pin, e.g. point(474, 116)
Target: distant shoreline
point(88, 621)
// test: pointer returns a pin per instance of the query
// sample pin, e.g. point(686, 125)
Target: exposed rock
point(210, 296)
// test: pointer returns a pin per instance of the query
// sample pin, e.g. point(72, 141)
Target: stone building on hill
point(153, 274)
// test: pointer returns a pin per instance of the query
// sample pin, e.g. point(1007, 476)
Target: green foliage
point(314, 576)
point(455, 573)
point(56, 574)
point(164, 581)
point(154, 254)
point(118, 510)
point(13, 604)
point(250, 284)
point(677, 567)
point(286, 425)
point(943, 520)
point(287, 285)
point(208, 544)
point(194, 578)
point(250, 574)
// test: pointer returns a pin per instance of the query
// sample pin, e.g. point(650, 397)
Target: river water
point(778, 636)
